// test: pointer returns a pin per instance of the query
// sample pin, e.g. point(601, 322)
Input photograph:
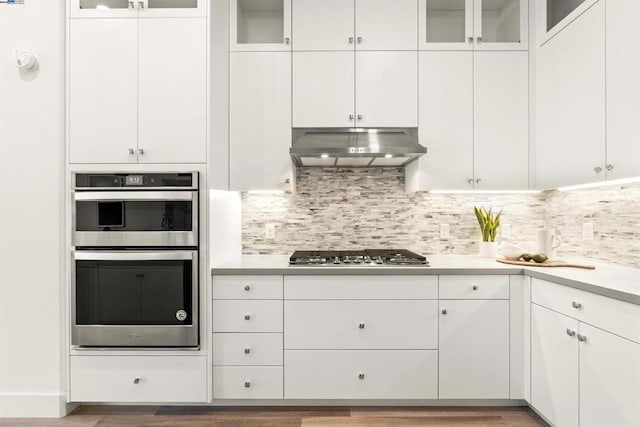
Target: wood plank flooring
point(201, 416)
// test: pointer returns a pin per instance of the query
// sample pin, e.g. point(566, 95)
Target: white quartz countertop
point(613, 281)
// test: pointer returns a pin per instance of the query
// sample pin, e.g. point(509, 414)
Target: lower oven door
point(135, 299)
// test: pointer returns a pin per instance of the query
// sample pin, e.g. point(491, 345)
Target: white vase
point(488, 249)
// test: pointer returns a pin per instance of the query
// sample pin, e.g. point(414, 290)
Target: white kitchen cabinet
point(330, 25)
point(136, 8)
point(247, 382)
point(260, 25)
point(501, 120)
point(571, 125)
point(609, 379)
point(137, 90)
point(323, 89)
point(474, 113)
point(384, 93)
point(247, 349)
point(474, 349)
point(260, 120)
point(103, 91)
point(554, 366)
point(623, 88)
point(172, 99)
point(242, 316)
point(473, 24)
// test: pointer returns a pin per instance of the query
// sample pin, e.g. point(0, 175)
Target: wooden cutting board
point(545, 264)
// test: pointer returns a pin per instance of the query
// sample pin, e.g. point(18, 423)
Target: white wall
point(31, 212)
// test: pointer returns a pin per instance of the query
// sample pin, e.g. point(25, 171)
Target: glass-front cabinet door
point(473, 24)
point(500, 25)
point(136, 8)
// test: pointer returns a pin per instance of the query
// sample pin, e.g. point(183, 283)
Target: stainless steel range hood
point(355, 147)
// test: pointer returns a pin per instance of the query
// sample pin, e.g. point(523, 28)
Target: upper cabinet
point(260, 25)
point(320, 25)
point(473, 24)
point(136, 8)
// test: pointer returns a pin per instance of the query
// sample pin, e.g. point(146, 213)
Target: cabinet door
point(570, 117)
point(474, 349)
point(103, 8)
point(609, 379)
point(323, 25)
point(103, 90)
point(501, 25)
point(323, 89)
point(386, 25)
point(260, 25)
point(446, 120)
point(501, 120)
point(173, 8)
point(445, 24)
point(260, 120)
point(554, 366)
point(387, 89)
point(623, 88)
point(172, 90)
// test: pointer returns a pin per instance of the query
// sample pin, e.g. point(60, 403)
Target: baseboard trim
point(34, 405)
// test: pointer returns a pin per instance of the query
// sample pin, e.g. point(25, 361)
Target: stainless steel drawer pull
point(361, 376)
point(360, 39)
point(350, 40)
point(136, 380)
point(474, 287)
point(576, 305)
point(571, 333)
point(131, 151)
point(247, 350)
point(247, 288)
point(287, 40)
point(247, 384)
point(444, 311)
point(141, 151)
point(582, 338)
point(247, 317)
point(361, 326)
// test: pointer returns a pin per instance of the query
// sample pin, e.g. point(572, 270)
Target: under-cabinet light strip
point(485, 191)
point(600, 184)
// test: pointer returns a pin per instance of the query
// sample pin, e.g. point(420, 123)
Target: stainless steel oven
point(135, 210)
point(135, 298)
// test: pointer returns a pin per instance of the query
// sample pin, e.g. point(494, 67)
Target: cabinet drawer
point(247, 287)
point(411, 325)
point(361, 374)
point(247, 316)
point(159, 379)
point(474, 287)
point(236, 382)
point(615, 316)
point(247, 349)
point(361, 287)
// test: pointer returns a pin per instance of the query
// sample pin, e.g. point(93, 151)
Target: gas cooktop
point(356, 258)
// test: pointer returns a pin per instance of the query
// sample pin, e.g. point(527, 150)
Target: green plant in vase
point(489, 223)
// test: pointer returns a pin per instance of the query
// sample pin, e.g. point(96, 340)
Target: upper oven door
point(135, 218)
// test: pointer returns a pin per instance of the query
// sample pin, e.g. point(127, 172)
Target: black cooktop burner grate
point(358, 257)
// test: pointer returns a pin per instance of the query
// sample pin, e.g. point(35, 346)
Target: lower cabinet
point(148, 379)
point(247, 382)
point(474, 349)
point(361, 374)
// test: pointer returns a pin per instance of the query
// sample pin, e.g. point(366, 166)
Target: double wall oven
point(135, 260)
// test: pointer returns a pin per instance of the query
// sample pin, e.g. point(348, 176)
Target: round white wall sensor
point(25, 60)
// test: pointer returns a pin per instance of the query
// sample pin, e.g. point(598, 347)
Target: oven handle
point(133, 255)
point(134, 196)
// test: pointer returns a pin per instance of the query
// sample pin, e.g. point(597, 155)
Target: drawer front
point(247, 349)
point(235, 382)
point(343, 325)
point(160, 379)
point(474, 287)
point(361, 374)
point(247, 287)
point(361, 287)
point(247, 316)
point(615, 316)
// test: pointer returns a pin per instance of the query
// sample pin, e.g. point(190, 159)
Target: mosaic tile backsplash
point(358, 208)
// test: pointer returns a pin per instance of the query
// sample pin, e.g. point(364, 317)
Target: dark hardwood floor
point(200, 416)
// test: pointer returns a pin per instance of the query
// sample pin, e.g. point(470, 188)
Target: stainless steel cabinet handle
point(247, 350)
point(247, 317)
point(360, 376)
point(247, 384)
point(350, 40)
point(571, 333)
point(361, 325)
point(474, 287)
point(443, 311)
point(141, 151)
point(140, 4)
point(359, 116)
point(351, 116)
point(469, 180)
point(576, 305)
point(287, 40)
point(136, 380)
point(247, 288)
point(609, 168)
point(478, 181)
point(470, 39)
point(359, 39)
point(131, 5)
point(479, 39)
point(582, 338)
point(131, 151)
point(597, 169)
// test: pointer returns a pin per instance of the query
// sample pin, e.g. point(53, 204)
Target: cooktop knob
point(379, 260)
point(346, 259)
point(336, 260)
